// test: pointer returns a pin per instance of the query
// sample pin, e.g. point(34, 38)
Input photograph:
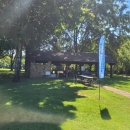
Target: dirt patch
point(81, 94)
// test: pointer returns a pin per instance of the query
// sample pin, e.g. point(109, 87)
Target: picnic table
point(87, 80)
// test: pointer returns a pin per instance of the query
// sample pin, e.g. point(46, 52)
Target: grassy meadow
point(60, 104)
point(119, 82)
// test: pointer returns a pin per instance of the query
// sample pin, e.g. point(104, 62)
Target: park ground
point(62, 104)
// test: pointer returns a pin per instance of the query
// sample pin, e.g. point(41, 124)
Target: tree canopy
point(64, 25)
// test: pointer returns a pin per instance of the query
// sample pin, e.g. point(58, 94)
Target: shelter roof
point(66, 57)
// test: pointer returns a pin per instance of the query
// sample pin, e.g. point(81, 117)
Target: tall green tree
point(124, 56)
point(83, 25)
point(28, 23)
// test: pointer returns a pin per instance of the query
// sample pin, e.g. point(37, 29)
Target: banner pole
point(99, 89)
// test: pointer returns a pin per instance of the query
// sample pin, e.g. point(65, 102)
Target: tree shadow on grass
point(29, 126)
point(105, 115)
point(37, 104)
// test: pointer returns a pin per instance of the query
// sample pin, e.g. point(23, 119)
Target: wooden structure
point(69, 58)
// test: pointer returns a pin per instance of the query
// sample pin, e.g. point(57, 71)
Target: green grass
point(5, 71)
point(119, 82)
point(60, 104)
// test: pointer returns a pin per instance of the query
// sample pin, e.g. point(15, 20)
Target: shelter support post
point(90, 67)
point(96, 69)
point(80, 68)
point(66, 68)
point(111, 71)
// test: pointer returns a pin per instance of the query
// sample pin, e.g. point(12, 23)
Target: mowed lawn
point(60, 104)
point(119, 82)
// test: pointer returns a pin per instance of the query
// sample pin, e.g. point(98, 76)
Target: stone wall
point(37, 70)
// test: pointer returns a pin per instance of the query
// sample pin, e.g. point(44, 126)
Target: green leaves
point(42, 20)
point(124, 55)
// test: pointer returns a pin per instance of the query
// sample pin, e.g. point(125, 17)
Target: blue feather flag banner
point(101, 54)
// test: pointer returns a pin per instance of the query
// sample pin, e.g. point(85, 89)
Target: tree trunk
point(75, 41)
point(75, 46)
point(11, 64)
point(27, 63)
point(11, 61)
point(18, 63)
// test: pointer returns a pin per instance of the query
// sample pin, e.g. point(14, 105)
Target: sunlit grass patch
point(9, 103)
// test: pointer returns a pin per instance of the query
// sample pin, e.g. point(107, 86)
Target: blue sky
point(128, 3)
